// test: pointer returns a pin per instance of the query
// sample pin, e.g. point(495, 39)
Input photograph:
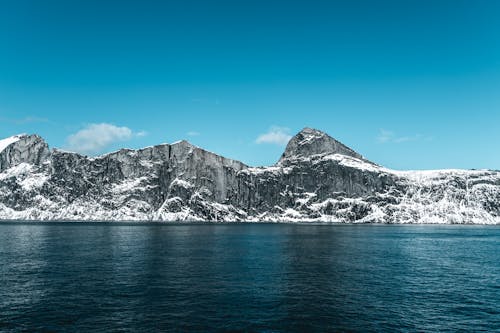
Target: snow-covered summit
point(4, 143)
point(311, 141)
point(22, 148)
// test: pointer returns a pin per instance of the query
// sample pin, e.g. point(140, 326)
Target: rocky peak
point(22, 148)
point(311, 141)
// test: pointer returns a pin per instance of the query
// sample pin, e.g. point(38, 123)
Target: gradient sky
point(408, 84)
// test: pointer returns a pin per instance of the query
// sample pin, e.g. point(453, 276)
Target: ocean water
point(75, 277)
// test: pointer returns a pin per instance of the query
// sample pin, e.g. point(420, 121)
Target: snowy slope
point(8, 141)
point(318, 179)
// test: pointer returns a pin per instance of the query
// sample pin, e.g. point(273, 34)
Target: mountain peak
point(310, 141)
point(4, 143)
point(22, 148)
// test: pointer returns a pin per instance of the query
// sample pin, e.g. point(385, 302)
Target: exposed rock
point(316, 179)
point(310, 142)
point(30, 149)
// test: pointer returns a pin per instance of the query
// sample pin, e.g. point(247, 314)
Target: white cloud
point(193, 133)
point(385, 136)
point(391, 137)
point(95, 138)
point(276, 135)
point(25, 120)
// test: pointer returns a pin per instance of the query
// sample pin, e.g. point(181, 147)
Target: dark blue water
point(262, 278)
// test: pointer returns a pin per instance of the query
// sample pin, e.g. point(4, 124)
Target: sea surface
point(105, 277)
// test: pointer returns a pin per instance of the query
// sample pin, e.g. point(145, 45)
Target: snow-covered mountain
point(316, 179)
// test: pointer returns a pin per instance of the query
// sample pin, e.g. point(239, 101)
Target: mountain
point(313, 142)
point(316, 179)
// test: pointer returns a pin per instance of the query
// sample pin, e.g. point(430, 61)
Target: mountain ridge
point(187, 142)
point(316, 179)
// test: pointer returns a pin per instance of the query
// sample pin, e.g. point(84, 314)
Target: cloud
point(24, 120)
point(391, 137)
point(385, 136)
point(193, 133)
point(276, 135)
point(95, 138)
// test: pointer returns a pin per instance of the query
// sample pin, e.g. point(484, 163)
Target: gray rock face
point(30, 149)
point(310, 142)
point(316, 179)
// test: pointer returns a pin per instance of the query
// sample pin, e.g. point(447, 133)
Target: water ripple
point(254, 278)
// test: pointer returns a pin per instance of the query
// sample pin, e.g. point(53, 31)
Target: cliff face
point(15, 150)
point(309, 142)
point(316, 179)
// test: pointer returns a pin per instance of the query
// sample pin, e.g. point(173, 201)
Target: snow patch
point(129, 185)
point(19, 170)
point(34, 181)
point(8, 141)
point(181, 183)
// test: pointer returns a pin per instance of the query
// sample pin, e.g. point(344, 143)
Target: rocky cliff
point(316, 179)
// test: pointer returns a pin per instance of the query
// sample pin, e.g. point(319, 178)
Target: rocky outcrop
point(317, 179)
point(309, 142)
point(18, 149)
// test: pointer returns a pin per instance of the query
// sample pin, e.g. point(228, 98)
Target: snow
point(33, 182)
point(309, 135)
point(415, 175)
point(292, 213)
point(16, 171)
point(308, 196)
point(257, 171)
point(146, 164)
point(8, 141)
point(25, 175)
point(428, 196)
point(128, 185)
point(181, 183)
point(351, 162)
point(261, 170)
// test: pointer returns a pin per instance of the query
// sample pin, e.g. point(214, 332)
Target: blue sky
point(408, 84)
